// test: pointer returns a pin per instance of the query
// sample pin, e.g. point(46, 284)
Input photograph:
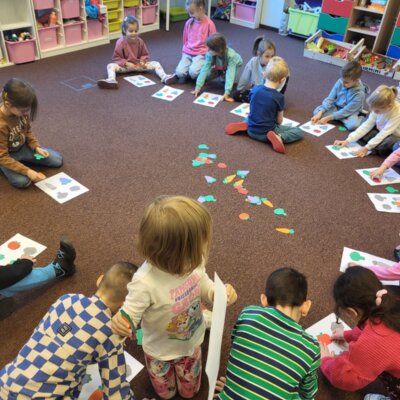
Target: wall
point(271, 12)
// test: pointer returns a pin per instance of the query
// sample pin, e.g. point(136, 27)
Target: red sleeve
point(352, 335)
point(144, 53)
point(119, 56)
point(211, 28)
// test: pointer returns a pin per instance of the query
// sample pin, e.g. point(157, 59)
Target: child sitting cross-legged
point(266, 110)
point(74, 333)
point(271, 356)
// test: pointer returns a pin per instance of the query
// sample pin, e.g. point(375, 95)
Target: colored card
point(243, 110)
point(389, 177)
point(61, 187)
point(316, 129)
point(345, 152)
point(385, 202)
point(208, 99)
point(139, 80)
point(289, 122)
point(16, 247)
point(92, 380)
point(168, 93)
point(322, 331)
point(216, 334)
point(365, 260)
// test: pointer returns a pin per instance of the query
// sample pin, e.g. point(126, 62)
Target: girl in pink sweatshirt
point(393, 159)
point(374, 344)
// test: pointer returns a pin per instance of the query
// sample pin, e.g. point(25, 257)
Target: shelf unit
point(247, 15)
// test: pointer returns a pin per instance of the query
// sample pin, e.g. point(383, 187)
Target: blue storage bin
point(333, 36)
point(393, 52)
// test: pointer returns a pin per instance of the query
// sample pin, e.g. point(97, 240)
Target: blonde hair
point(383, 96)
point(175, 234)
point(277, 69)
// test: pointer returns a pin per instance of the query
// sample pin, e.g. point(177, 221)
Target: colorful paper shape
point(229, 179)
point(242, 111)
point(222, 165)
point(168, 93)
point(244, 216)
point(241, 173)
point(315, 129)
point(279, 211)
point(17, 246)
point(210, 179)
point(389, 177)
point(208, 99)
point(206, 199)
point(139, 80)
point(385, 202)
point(287, 231)
point(202, 146)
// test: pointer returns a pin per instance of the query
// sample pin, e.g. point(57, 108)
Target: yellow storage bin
point(114, 14)
point(131, 3)
point(111, 4)
point(114, 26)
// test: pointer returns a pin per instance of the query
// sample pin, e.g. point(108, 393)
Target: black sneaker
point(7, 306)
point(64, 260)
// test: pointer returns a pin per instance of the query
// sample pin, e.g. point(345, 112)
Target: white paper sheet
point(385, 202)
point(17, 246)
point(208, 99)
point(139, 80)
point(168, 93)
point(316, 129)
point(389, 177)
point(345, 152)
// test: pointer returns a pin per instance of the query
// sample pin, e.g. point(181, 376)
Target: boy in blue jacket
point(346, 99)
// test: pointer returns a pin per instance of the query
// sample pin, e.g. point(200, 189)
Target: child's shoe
point(107, 84)
point(169, 79)
point(396, 253)
point(376, 397)
point(7, 306)
point(235, 127)
point(276, 142)
point(63, 263)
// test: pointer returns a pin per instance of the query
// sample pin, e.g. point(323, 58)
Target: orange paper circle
point(244, 216)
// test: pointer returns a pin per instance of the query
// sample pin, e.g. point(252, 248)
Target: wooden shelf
point(369, 10)
point(363, 31)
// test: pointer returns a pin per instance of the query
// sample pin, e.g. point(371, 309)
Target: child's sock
point(276, 142)
point(63, 263)
point(235, 127)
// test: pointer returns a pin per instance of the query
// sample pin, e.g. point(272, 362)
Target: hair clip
point(379, 295)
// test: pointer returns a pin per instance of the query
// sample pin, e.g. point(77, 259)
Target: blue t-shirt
point(265, 104)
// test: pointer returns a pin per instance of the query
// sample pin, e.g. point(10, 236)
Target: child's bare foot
point(276, 142)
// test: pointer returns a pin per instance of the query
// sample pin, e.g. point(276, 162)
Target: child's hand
point(196, 92)
point(219, 386)
point(341, 143)
point(325, 120)
point(352, 264)
point(120, 326)
point(228, 98)
point(362, 152)
point(230, 294)
point(315, 119)
point(325, 352)
point(131, 65)
point(338, 335)
point(42, 152)
point(35, 176)
point(28, 257)
point(378, 173)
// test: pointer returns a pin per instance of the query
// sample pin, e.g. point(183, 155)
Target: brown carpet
point(128, 147)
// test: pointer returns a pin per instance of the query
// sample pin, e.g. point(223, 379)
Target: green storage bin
point(176, 14)
point(396, 37)
point(131, 3)
point(333, 24)
point(302, 22)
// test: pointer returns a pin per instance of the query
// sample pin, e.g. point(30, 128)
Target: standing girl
point(253, 74)
point(220, 61)
point(131, 55)
point(166, 293)
point(195, 33)
point(18, 145)
point(382, 128)
point(374, 345)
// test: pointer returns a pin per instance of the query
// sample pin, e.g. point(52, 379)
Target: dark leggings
point(11, 274)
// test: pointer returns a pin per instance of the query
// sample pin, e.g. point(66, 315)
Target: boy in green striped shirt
point(272, 357)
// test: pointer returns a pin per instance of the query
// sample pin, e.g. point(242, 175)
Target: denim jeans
point(351, 123)
point(189, 66)
point(288, 134)
point(26, 155)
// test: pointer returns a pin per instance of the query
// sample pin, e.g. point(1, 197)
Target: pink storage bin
point(70, 9)
point(47, 37)
point(149, 14)
point(95, 29)
point(21, 52)
point(130, 11)
point(73, 32)
point(245, 12)
point(43, 4)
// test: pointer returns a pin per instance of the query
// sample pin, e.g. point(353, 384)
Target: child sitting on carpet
point(382, 128)
point(271, 356)
point(221, 61)
point(18, 145)
point(166, 293)
point(74, 333)
point(253, 73)
point(346, 99)
point(131, 55)
point(197, 29)
point(393, 159)
point(266, 110)
point(374, 345)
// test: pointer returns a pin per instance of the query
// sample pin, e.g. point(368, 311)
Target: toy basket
point(73, 32)
point(70, 9)
point(244, 12)
point(21, 52)
point(43, 4)
point(149, 14)
point(130, 11)
point(47, 37)
point(95, 29)
point(302, 22)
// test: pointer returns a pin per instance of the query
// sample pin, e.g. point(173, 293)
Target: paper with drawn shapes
point(61, 187)
point(322, 331)
point(16, 247)
point(389, 177)
point(139, 80)
point(364, 260)
point(168, 93)
point(208, 99)
point(385, 202)
point(92, 380)
point(316, 129)
point(348, 151)
point(289, 122)
point(242, 111)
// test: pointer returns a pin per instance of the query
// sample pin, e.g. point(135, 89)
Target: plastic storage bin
point(332, 23)
point(70, 9)
point(111, 4)
point(73, 32)
point(341, 8)
point(302, 22)
point(333, 36)
point(21, 52)
point(130, 11)
point(47, 37)
point(393, 52)
point(396, 37)
point(245, 12)
point(95, 29)
point(114, 26)
point(43, 4)
point(131, 3)
point(114, 14)
point(149, 14)
point(176, 14)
